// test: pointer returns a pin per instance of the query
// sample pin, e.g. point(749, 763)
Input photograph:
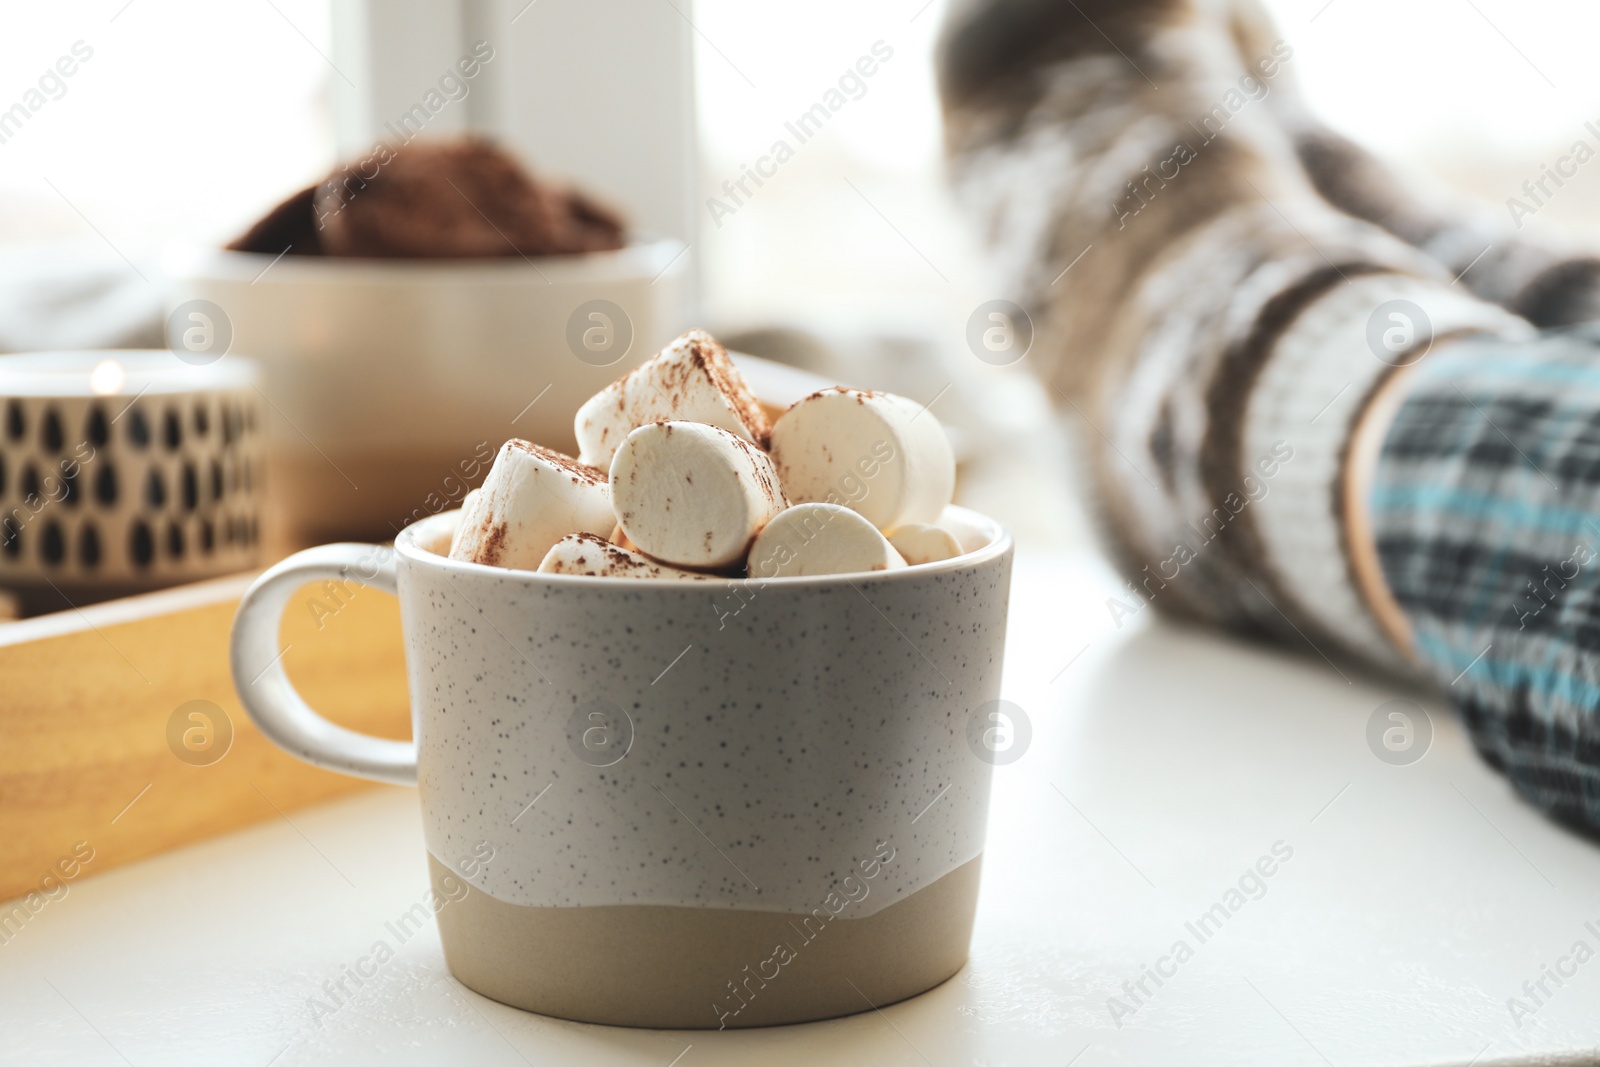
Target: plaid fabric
point(1487, 513)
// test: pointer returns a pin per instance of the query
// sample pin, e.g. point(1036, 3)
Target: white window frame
point(598, 92)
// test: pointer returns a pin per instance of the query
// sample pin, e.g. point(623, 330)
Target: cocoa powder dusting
point(707, 354)
point(581, 472)
point(492, 543)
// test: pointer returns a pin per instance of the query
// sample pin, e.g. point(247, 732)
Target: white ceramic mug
point(678, 804)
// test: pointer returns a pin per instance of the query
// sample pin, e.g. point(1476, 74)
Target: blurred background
point(193, 118)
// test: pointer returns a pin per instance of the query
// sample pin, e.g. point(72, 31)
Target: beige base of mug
point(670, 967)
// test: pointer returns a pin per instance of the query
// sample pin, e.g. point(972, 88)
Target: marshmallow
point(877, 453)
point(588, 554)
point(820, 539)
point(690, 380)
point(531, 499)
point(467, 503)
point(460, 514)
point(693, 495)
point(969, 535)
point(920, 542)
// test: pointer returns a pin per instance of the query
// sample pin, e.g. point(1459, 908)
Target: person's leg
point(1196, 304)
point(1479, 498)
point(1220, 331)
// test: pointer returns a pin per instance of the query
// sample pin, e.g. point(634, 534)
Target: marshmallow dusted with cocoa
point(880, 454)
point(588, 554)
point(691, 380)
point(816, 539)
point(675, 481)
point(532, 498)
point(693, 495)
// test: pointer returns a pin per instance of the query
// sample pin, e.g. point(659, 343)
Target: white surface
point(1417, 901)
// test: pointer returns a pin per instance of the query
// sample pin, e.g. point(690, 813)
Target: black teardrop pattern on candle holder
point(52, 543)
point(69, 484)
point(50, 435)
point(89, 546)
point(141, 544)
point(138, 428)
point(105, 483)
point(97, 430)
point(67, 472)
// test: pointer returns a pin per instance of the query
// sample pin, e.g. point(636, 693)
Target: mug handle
point(264, 688)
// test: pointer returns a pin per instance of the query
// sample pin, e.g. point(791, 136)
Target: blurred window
point(180, 118)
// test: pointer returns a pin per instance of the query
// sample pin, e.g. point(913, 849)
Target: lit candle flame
point(107, 377)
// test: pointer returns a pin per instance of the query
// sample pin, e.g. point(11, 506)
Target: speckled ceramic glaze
point(718, 746)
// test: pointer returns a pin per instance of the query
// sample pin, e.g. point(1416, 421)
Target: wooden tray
point(87, 699)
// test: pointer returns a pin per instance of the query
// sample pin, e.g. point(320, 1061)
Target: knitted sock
point(1201, 312)
point(1210, 275)
point(1486, 510)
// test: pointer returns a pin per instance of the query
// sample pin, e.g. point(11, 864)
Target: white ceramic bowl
point(125, 471)
point(390, 383)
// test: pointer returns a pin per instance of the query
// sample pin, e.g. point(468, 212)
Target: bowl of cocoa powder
point(410, 311)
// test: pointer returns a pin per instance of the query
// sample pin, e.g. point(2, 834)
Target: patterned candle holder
point(122, 472)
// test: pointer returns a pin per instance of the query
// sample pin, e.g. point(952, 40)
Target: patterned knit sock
point(1486, 509)
point(1214, 284)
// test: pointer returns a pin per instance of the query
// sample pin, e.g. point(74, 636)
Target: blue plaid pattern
point(1487, 513)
